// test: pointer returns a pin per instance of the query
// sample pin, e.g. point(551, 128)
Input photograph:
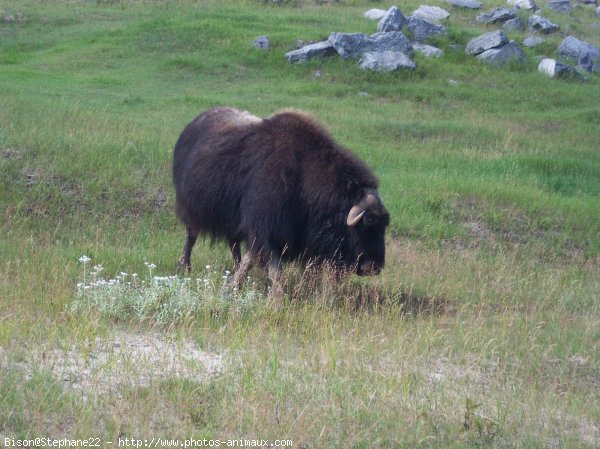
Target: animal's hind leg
point(184, 261)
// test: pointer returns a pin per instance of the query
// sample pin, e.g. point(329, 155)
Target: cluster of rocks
point(585, 56)
point(387, 49)
point(495, 48)
point(390, 49)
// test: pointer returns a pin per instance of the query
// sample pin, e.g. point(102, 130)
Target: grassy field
point(482, 331)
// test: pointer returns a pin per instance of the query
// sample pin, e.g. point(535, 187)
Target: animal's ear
point(354, 216)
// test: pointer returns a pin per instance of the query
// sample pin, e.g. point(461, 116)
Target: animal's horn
point(355, 215)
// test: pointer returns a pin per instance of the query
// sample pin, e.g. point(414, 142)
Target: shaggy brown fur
point(282, 187)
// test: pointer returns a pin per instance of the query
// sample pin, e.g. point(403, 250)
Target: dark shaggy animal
point(280, 186)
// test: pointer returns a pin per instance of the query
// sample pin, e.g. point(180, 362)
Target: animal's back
point(206, 167)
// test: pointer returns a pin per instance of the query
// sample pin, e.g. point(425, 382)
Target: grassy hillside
point(483, 330)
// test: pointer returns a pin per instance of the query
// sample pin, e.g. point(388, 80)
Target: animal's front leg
point(243, 267)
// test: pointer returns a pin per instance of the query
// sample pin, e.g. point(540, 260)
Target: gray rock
point(421, 30)
point(431, 14)
point(496, 15)
point(541, 24)
point(560, 6)
point(385, 61)
point(528, 5)
point(262, 43)
point(375, 14)
point(317, 50)
point(598, 11)
point(392, 21)
point(469, 4)
point(585, 54)
point(516, 24)
point(533, 41)
point(486, 41)
point(589, 64)
point(510, 52)
point(553, 68)
point(588, 2)
point(429, 51)
point(350, 45)
point(353, 45)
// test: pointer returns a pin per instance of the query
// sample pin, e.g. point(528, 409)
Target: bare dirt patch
point(121, 361)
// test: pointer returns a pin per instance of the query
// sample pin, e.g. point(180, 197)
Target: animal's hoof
point(182, 265)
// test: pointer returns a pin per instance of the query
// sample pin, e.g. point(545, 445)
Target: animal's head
point(367, 220)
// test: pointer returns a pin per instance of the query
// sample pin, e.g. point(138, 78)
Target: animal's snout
point(368, 269)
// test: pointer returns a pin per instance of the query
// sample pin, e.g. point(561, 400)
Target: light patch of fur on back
point(226, 119)
point(245, 117)
point(235, 117)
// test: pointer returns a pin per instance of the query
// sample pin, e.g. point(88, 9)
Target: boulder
point(585, 54)
point(375, 14)
point(560, 6)
point(392, 21)
point(553, 68)
point(317, 50)
point(533, 41)
point(486, 41)
point(516, 24)
point(421, 30)
point(429, 51)
point(262, 43)
point(528, 5)
point(353, 45)
point(542, 25)
point(431, 14)
point(385, 61)
point(589, 64)
point(598, 11)
point(508, 53)
point(469, 4)
point(588, 2)
point(497, 15)
point(350, 45)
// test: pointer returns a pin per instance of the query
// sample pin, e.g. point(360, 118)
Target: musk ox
point(281, 187)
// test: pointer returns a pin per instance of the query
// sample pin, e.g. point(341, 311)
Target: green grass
point(483, 329)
